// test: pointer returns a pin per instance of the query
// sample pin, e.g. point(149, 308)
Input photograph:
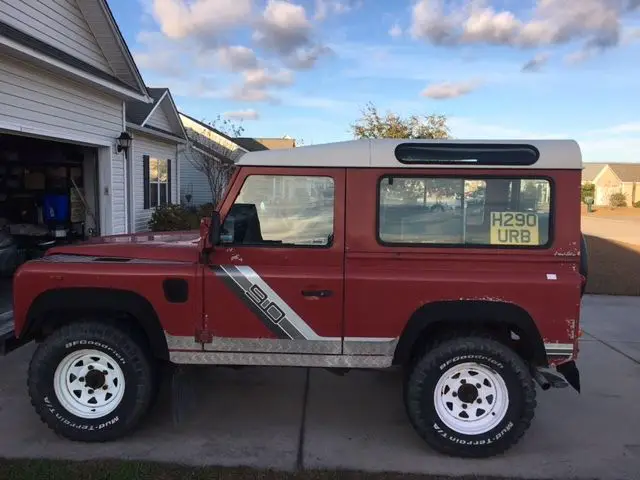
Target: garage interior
point(47, 197)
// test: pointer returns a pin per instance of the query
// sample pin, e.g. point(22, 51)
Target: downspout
point(127, 174)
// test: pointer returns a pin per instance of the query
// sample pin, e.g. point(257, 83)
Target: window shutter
point(169, 162)
point(145, 181)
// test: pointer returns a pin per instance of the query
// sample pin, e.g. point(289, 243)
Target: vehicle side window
point(464, 211)
point(282, 210)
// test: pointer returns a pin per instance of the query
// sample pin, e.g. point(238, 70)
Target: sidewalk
point(259, 417)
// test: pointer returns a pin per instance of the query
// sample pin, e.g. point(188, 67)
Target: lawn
point(131, 470)
point(613, 267)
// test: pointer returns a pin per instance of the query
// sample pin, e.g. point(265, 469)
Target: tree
point(372, 124)
point(219, 164)
point(587, 190)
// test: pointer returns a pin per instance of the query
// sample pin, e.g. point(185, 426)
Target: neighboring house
point(66, 76)
point(158, 138)
point(208, 149)
point(610, 178)
point(255, 144)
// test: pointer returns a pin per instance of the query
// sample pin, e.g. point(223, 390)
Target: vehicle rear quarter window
point(282, 210)
point(498, 212)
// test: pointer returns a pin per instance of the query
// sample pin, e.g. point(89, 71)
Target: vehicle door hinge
point(203, 336)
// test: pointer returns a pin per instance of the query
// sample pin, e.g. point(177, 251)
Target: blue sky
point(306, 68)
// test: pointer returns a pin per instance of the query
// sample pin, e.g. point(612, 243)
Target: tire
point(439, 419)
point(57, 374)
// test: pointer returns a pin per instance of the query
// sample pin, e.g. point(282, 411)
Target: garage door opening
point(48, 196)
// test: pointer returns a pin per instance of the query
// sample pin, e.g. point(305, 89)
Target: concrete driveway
point(619, 229)
point(293, 418)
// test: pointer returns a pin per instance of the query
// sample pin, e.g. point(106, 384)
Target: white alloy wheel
point(471, 398)
point(89, 383)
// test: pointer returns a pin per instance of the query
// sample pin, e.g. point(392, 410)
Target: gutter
point(36, 57)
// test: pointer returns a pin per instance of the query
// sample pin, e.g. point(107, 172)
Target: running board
point(281, 359)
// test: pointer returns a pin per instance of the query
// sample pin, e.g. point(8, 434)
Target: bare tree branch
point(215, 159)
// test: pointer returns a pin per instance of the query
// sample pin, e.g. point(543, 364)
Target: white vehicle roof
point(381, 153)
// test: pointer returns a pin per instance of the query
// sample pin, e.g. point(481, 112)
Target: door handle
point(317, 293)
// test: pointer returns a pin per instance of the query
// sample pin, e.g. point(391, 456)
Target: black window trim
point(478, 176)
point(453, 147)
point(328, 246)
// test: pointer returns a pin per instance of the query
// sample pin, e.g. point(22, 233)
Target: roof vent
point(504, 154)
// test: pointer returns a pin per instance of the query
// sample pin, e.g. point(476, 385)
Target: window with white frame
point(157, 181)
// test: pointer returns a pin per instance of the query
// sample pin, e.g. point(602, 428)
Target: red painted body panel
point(170, 246)
point(385, 285)
point(375, 288)
point(286, 270)
point(180, 319)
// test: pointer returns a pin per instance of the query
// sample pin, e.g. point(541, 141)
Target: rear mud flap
point(570, 372)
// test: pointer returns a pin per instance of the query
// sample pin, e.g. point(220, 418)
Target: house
point(255, 144)
point(206, 163)
point(85, 146)
point(610, 178)
point(158, 137)
point(67, 76)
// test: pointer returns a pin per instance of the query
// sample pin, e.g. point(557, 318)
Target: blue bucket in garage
point(56, 208)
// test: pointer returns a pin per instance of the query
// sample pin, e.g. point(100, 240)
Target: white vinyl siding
point(193, 181)
point(155, 148)
point(59, 23)
point(118, 197)
point(159, 120)
point(34, 97)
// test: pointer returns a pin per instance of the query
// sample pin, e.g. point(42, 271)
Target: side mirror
point(214, 229)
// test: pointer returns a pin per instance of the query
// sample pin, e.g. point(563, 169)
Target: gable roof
point(210, 139)
point(626, 172)
point(108, 35)
point(139, 113)
point(122, 78)
point(250, 144)
point(591, 170)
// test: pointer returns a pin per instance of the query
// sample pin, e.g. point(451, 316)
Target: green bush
point(636, 204)
point(587, 190)
point(617, 200)
point(167, 218)
point(206, 210)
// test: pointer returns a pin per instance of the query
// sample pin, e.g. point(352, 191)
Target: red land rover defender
point(462, 262)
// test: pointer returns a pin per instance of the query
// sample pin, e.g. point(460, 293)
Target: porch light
point(124, 141)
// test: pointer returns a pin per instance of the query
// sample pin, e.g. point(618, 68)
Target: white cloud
point(201, 18)
point(594, 23)
point(283, 28)
point(324, 8)
point(306, 58)
point(261, 78)
point(448, 90)
point(243, 93)
point(237, 58)
point(242, 115)
point(536, 63)
point(161, 55)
